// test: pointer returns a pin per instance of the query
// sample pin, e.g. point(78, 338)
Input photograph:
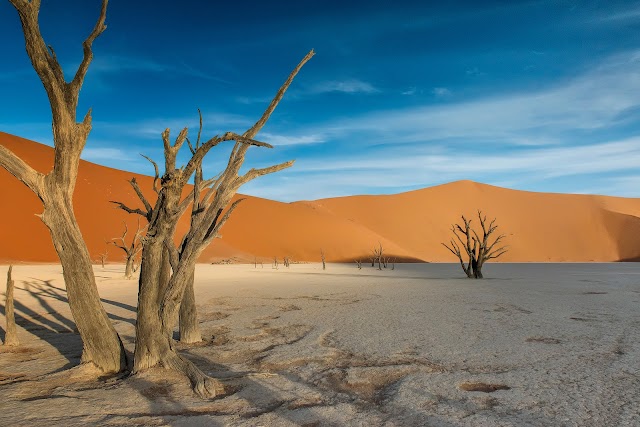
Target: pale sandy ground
point(351, 347)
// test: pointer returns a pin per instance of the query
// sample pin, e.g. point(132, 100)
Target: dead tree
point(130, 250)
point(101, 343)
point(359, 264)
point(275, 262)
point(11, 336)
point(162, 290)
point(286, 261)
point(103, 257)
point(324, 264)
point(378, 254)
point(477, 249)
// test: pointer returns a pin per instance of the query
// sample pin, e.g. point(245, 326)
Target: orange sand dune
point(410, 226)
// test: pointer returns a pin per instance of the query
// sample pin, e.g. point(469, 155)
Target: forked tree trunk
point(11, 336)
point(189, 330)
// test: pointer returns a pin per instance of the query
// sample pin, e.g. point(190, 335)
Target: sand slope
point(541, 226)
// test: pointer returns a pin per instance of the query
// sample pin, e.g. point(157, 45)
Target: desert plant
point(477, 250)
point(130, 250)
point(11, 335)
point(101, 343)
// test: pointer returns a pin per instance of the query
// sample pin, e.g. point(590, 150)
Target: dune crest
point(541, 227)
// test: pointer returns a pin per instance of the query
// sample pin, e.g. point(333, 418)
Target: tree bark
point(101, 344)
point(129, 268)
point(189, 329)
point(11, 336)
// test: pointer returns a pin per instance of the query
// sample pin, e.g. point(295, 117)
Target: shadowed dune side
point(540, 226)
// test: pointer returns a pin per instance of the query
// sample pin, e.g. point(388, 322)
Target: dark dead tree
point(473, 250)
point(101, 343)
point(324, 264)
point(286, 261)
point(378, 254)
point(359, 264)
point(275, 262)
point(255, 262)
point(11, 335)
point(162, 290)
point(130, 250)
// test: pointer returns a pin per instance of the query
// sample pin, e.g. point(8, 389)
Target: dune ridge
point(541, 227)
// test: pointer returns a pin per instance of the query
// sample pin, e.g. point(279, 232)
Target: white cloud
point(595, 100)
point(344, 86)
point(410, 91)
point(102, 154)
point(441, 91)
point(279, 140)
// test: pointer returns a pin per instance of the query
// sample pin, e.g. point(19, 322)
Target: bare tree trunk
point(129, 268)
point(101, 343)
point(189, 329)
point(11, 336)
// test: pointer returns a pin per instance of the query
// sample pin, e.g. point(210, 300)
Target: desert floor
point(304, 346)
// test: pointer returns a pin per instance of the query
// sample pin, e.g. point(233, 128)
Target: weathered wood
point(11, 335)
point(160, 300)
point(101, 343)
point(188, 319)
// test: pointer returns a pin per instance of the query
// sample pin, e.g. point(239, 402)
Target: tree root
point(203, 385)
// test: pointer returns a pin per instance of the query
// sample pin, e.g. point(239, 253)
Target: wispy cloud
point(281, 140)
point(595, 100)
point(411, 91)
point(111, 64)
point(441, 92)
point(619, 16)
point(344, 86)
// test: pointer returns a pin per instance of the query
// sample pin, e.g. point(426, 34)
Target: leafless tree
point(286, 261)
point(162, 290)
point(324, 264)
point(103, 257)
point(378, 254)
point(11, 335)
point(275, 262)
point(101, 343)
point(130, 250)
point(473, 249)
point(359, 264)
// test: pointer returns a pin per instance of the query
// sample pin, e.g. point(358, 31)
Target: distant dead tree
point(275, 262)
point(324, 265)
point(101, 344)
point(473, 249)
point(359, 264)
point(286, 261)
point(11, 335)
point(393, 263)
point(378, 255)
point(162, 290)
point(130, 250)
point(255, 262)
point(103, 257)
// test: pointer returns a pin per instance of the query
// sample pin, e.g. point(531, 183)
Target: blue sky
point(532, 95)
